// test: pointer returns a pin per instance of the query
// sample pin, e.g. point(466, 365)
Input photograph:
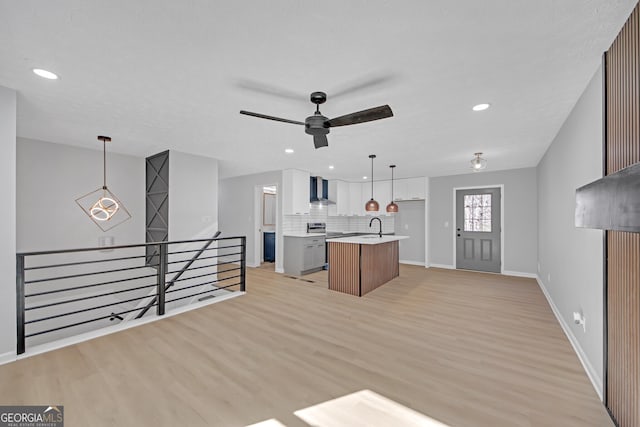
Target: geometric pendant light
point(101, 205)
point(392, 207)
point(478, 163)
point(372, 205)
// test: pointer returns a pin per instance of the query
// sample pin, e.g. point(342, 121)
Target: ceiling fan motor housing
point(315, 125)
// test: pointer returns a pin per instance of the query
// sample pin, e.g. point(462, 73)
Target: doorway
point(478, 233)
point(409, 221)
point(266, 222)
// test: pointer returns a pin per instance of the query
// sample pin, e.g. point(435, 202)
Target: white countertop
point(369, 239)
point(304, 235)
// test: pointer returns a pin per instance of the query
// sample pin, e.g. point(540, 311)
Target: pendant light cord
point(104, 164)
point(372, 178)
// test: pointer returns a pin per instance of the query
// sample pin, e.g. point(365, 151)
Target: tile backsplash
point(356, 224)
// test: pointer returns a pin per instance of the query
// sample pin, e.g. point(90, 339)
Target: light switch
point(406, 226)
point(446, 224)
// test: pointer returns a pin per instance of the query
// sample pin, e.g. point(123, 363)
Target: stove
point(316, 227)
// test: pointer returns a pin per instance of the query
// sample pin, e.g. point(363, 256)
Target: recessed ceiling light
point(481, 107)
point(364, 177)
point(45, 74)
point(288, 150)
point(331, 167)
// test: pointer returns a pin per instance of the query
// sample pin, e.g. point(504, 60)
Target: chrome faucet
point(380, 221)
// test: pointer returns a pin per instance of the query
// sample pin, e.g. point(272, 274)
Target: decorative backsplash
point(355, 224)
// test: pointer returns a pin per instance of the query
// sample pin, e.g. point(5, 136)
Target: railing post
point(162, 274)
point(20, 341)
point(243, 264)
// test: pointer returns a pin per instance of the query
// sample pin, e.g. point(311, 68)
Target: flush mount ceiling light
point(392, 207)
point(331, 167)
point(478, 163)
point(364, 177)
point(45, 74)
point(372, 205)
point(288, 150)
point(481, 107)
point(101, 205)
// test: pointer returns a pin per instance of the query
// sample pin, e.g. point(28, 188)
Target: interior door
point(478, 229)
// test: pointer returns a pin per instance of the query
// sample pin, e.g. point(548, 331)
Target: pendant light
point(478, 163)
point(372, 205)
point(392, 207)
point(101, 205)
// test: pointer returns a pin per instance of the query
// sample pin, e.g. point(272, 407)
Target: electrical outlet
point(538, 266)
point(549, 277)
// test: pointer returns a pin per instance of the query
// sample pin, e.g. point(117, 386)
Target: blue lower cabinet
point(269, 246)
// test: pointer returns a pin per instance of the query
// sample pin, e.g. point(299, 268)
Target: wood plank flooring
point(464, 348)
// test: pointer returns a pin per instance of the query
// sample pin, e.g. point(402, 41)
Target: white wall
point(193, 196)
point(571, 258)
point(49, 179)
point(238, 210)
point(7, 222)
point(520, 216)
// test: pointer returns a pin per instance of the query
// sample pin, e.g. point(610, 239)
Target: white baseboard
point(7, 357)
point(280, 270)
point(596, 381)
point(43, 348)
point(447, 266)
point(412, 262)
point(520, 274)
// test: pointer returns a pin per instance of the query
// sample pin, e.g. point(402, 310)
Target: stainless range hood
point(611, 203)
point(319, 189)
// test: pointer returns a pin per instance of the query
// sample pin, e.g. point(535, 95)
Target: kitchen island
point(360, 264)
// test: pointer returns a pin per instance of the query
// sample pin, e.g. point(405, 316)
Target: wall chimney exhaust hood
point(318, 191)
point(611, 203)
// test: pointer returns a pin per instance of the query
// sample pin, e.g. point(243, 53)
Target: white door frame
point(502, 230)
point(257, 222)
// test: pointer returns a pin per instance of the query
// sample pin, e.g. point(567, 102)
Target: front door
point(478, 229)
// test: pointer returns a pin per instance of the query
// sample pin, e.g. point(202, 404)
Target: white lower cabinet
point(303, 255)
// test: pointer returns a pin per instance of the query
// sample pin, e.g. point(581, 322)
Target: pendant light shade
point(392, 207)
point(372, 205)
point(478, 163)
point(101, 205)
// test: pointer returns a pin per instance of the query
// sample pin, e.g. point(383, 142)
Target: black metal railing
point(76, 288)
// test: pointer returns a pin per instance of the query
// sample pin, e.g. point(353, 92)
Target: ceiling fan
point(319, 125)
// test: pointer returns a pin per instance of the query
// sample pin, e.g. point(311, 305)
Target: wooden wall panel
point(379, 265)
point(622, 148)
point(344, 268)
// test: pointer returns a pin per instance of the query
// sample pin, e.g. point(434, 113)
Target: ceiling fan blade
point(268, 89)
point(363, 83)
point(277, 119)
point(320, 141)
point(375, 113)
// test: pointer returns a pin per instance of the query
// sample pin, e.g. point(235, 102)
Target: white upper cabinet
point(416, 188)
point(409, 189)
point(356, 207)
point(382, 193)
point(339, 193)
point(295, 192)
point(400, 189)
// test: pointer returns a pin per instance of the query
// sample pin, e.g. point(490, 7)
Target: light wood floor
point(467, 349)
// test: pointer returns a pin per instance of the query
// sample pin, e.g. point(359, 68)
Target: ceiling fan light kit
point(392, 207)
point(318, 125)
point(372, 205)
point(478, 163)
point(101, 205)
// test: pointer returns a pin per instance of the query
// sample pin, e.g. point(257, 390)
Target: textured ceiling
point(159, 75)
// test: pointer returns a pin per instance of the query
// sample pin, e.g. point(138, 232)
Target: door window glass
point(477, 212)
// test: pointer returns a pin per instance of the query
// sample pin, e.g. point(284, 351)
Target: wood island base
point(357, 269)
